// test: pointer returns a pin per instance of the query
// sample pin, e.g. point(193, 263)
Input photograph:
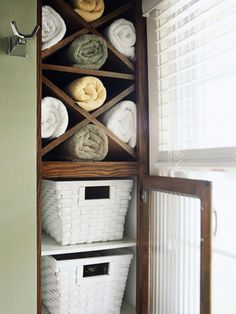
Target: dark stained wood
point(65, 98)
point(90, 118)
point(84, 122)
point(67, 40)
point(39, 162)
point(126, 147)
point(112, 15)
point(67, 9)
point(142, 271)
point(69, 69)
point(51, 145)
point(193, 188)
point(142, 90)
point(108, 105)
point(143, 255)
point(59, 6)
point(72, 170)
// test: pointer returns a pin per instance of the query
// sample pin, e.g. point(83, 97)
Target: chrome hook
point(17, 44)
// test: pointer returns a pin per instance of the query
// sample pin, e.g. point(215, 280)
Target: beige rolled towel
point(89, 10)
point(88, 92)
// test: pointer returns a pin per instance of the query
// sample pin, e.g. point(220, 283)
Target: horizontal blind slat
point(195, 18)
point(196, 56)
point(202, 34)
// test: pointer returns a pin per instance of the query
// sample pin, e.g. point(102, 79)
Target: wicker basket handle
point(100, 271)
point(97, 192)
point(95, 270)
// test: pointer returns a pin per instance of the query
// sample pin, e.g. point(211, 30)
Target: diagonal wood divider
point(67, 40)
point(67, 9)
point(48, 52)
point(89, 117)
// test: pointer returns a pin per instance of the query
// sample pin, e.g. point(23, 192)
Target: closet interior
point(106, 179)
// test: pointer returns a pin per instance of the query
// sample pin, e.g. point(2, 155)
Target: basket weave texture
point(66, 290)
point(70, 217)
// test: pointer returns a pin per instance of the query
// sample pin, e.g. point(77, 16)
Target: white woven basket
point(85, 211)
point(75, 284)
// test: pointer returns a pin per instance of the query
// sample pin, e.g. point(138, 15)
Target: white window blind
point(192, 69)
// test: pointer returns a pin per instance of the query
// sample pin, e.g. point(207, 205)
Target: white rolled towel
point(122, 35)
point(53, 27)
point(121, 120)
point(54, 118)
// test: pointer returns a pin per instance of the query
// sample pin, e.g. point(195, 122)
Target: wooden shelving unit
point(123, 80)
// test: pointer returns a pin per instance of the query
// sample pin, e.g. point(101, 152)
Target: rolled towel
point(88, 92)
point(54, 120)
point(88, 143)
point(53, 27)
point(89, 10)
point(87, 52)
point(122, 35)
point(122, 121)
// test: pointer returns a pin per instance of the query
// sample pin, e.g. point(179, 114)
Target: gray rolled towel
point(88, 52)
point(88, 143)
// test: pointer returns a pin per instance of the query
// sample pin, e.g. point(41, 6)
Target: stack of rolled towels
point(121, 120)
point(89, 10)
point(54, 118)
point(122, 35)
point(87, 52)
point(53, 27)
point(89, 143)
point(88, 92)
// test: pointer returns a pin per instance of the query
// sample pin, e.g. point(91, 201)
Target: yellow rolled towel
point(89, 10)
point(88, 92)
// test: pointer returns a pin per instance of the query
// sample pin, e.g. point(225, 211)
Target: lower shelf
point(126, 309)
point(51, 247)
point(75, 170)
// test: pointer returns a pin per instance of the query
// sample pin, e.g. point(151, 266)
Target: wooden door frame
point(193, 188)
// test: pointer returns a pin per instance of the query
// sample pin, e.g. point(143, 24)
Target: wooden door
point(174, 263)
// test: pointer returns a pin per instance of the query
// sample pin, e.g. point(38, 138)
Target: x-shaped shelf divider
point(89, 117)
point(67, 9)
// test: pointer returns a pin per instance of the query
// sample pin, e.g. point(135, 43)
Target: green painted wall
point(17, 165)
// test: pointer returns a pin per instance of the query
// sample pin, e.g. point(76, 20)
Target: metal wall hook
point(17, 44)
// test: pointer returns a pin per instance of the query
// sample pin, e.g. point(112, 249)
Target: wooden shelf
point(51, 247)
point(69, 69)
point(73, 170)
point(125, 309)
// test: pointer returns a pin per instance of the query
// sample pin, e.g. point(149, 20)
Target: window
point(193, 83)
